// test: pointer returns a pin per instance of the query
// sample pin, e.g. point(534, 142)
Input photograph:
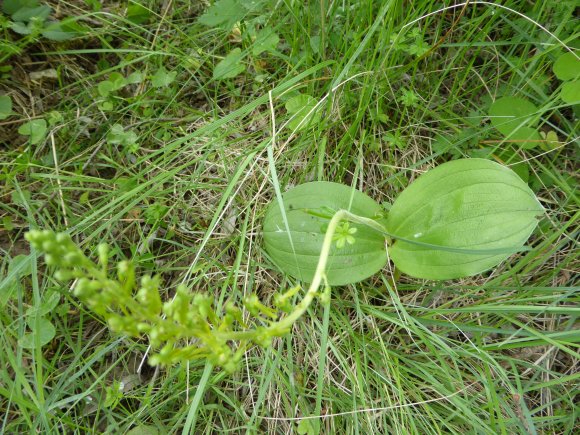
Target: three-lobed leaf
point(35, 130)
point(296, 252)
point(466, 215)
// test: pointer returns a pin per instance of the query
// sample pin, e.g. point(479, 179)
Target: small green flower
point(344, 235)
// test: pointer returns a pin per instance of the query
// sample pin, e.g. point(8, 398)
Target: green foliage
point(516, 118)
point(571, 92)
point(411, 43)
point(266, 40)
point(115, 82)
point(567, 66)
point(230, 66)
point(35, 130)
point(187, 327)
point(42, 332)
point(307, 210)
point(224, 14)
point(163, 78)
point(382, 340)
point(126, 138)
point(409, 98)
point(303, 111)
point(5, 106)
point(567, 69)
point(31, 18)
point(138, 13)
point(18, 268)
point(451, 222)
point(472, 205)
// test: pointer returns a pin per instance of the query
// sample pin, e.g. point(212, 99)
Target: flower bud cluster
point(220, 336)
point(60, 250)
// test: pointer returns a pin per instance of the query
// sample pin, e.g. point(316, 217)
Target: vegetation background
point(148, 125)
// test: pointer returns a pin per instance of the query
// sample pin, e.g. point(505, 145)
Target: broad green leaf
point(105, 88)
point(302, 109)
point(116, 134)
point(163, 78)
point(266, 40)
point(510, 113)
point(230, 66)
point(525, 137)
point(5, 106)
point(22, 28)
point(567, 66)
point(510, 157)
point(571, 92)
point(50, 300)
point(117, 80)
point(297, 252)
point(56, 32)
point(25, 14)
point(19, 266)
point(144, 430)
point(10, 7)
point(35, 129)
point(44, 333)
point(224, 14)
point(472, 205)
point(138, 13)
point(135, 77)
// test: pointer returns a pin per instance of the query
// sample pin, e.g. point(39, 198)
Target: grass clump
point(165, 135)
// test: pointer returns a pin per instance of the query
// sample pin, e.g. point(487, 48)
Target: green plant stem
point(319, 274)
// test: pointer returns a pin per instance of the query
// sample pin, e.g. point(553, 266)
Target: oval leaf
point(297, 252)
point(525, 137)
point(509, 114)
point(477, 211)
point(45, 333)
point(567, 66)
point(571, 92)
point(5, 106)
point(230, 67)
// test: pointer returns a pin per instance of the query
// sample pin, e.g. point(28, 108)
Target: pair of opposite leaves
point(459, 219)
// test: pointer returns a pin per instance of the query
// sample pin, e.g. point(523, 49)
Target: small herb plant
point(459, 219)
point(31, 20)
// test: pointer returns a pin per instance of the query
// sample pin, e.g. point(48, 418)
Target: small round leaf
point(567, 66)
point(35, 129)
point(42, 334)
point(296, 252)
point(571, 92)
point(508, 114)
point(460, 219)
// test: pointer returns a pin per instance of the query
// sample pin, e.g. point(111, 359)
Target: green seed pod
point(63, 275)
point(103, 251)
